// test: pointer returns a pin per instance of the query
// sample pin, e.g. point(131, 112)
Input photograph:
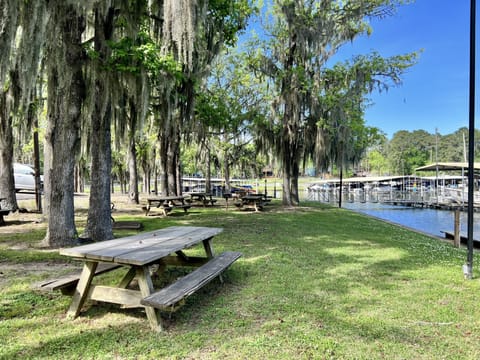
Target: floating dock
point(463, 238)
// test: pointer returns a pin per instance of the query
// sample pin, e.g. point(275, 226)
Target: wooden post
point(456, 228)
point(81, 292)
point(146, 288)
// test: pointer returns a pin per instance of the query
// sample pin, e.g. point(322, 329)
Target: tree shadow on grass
point(326, 261)
point(311, 270)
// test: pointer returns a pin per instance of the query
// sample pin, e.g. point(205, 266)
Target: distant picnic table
point(253, 201)
point(202, 198)
point(166, 204)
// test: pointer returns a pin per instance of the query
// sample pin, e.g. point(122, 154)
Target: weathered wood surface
point(191, 282)
point(126, 297)
point(252, 201)
point(81, 291)
point(127, 225)
point(139, 252)
point(143, 248)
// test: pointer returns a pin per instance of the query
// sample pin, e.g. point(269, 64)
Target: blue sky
point(434, 93)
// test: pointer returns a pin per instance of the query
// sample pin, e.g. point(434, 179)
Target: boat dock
point(463, 238)
point(445, 193)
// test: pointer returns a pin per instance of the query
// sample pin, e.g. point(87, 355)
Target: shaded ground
point(19, 223)
point(33, 222)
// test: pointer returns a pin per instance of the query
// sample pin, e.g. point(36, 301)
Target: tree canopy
point(136, 88)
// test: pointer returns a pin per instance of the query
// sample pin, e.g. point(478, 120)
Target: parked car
point(25, 177)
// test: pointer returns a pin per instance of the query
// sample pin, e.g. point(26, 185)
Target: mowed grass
point(314, 283)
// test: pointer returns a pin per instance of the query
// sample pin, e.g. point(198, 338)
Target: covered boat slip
point(442, 190)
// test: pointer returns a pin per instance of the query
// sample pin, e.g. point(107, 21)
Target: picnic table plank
point(187, 285)
point(149, 254)
point(69, 281)
point(110, 248)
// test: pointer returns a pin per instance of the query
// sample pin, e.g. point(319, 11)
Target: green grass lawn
point(313, 283)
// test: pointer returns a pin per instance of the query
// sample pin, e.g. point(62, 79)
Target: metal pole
point(436, 162)
point(468, 269)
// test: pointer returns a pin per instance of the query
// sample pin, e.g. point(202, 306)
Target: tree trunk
point(290, 135)
point(171, 169)
point(147, 179)
point(208, 175)
point(123, 183)
point(9, 16)
point(286, 195)
point(290, 196)
point(132, 157)
point(76, 181)
point(294, 181)
point(155, 172)
point(7, 182)
point(36, 151)
point(173, 159)
point(162, 169)
point(226, 172)
point(133, 174)
point(179, 175)
point(66, 92)
point(99, 224)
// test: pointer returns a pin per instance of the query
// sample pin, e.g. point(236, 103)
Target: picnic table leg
point(146, 288)
point(207, 244)
point(81, 292)
point(146, 209)
point(127, 279)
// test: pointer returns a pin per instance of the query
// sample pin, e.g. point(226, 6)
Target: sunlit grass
point(314, 282)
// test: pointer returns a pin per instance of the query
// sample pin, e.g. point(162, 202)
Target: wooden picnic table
point(166, 204)
point(252, 201)
point(203, 198)
point(138, 253)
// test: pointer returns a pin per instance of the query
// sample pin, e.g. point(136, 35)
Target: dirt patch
point(22, 223)
point(29, 221)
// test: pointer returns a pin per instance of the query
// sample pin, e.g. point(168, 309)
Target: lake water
point(430, 221)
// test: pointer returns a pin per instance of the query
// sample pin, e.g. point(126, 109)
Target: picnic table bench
point(166, 204)
point(66, 284)
point(138, 253)
point(173, 294)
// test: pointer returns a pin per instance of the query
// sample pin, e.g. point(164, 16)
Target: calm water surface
point(430, 221)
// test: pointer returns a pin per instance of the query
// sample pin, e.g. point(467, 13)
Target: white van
point(25, 177)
